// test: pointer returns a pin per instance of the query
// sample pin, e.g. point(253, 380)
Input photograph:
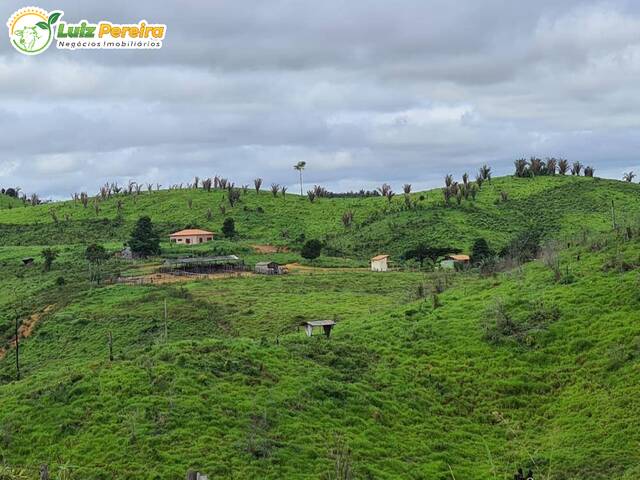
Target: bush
point(144, 239)
point(229, 227)
point(480, 251)
point(60, 281)
point(311, 249)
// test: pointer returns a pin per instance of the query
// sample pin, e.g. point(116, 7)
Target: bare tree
point(283, 189)
point(311, 195)
point(485, 172)
point(234, 196)
point(406, 188)
point(563, 166)
point(275, 188)
point(448, 180)
point(384, 189)
point(576, 168)
point(347, 218)
point(257, 183)
point(552, 166)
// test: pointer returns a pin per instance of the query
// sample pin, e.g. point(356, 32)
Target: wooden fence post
point(44, 472)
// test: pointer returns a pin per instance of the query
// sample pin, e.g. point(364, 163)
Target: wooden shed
point(326, 326)
point(451, 261)
point(379, 263)
point(269, 268)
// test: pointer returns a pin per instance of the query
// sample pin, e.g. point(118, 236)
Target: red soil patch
point(269, 249)
point(26, 329)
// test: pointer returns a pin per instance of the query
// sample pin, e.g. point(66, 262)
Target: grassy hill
point(519, 368)
point(560, 204)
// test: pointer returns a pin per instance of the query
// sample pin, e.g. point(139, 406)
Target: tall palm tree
point(300, 167)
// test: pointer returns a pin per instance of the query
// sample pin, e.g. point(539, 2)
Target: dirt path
point(269, 249)
point(26, 329)
point(296, 267)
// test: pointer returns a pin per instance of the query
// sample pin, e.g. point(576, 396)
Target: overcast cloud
point(363, 91)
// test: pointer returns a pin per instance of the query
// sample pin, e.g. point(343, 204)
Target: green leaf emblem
point(53, 18)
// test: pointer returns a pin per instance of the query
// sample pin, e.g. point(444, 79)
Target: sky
point(365, 92)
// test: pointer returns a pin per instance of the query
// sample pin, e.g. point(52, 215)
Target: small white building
point(379, 263)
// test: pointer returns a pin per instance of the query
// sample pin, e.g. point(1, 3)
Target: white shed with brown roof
point(379, 263)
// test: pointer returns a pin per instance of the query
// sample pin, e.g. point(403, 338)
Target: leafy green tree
point(96, 255)
point(144, 239)
point(422, 252)
point(311, 249)
point(229, 227)
point(49, 255)
point(480, 250)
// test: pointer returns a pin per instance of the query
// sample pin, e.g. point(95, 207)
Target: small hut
point(379, 263)
point(453, 261)
point(326, 326)
point(269, 268)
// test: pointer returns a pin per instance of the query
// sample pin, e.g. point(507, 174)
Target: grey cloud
point(364, 91)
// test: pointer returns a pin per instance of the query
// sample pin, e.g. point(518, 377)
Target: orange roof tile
point(189, 232)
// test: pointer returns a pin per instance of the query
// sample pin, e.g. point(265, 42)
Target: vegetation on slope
point(551, 204)
point(426, 375)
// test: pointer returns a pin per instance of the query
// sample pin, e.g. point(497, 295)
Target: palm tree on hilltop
point(300, 167)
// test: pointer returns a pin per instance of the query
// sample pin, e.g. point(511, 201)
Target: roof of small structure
point(320, 323)
point(189, 232)
point(265, 264)
point(459, 258)
point(379, 257)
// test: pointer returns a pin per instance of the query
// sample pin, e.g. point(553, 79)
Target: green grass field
point(513, 369)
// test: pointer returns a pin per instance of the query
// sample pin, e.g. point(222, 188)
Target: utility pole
point(166, 328)
point(613, 215)
point(17, 347)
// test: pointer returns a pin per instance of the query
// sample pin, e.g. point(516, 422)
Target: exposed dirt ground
point(164, 278)
point(296, 267)
point(269, 249)
point(26, 329)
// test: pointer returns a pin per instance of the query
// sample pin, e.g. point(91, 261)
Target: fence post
point(192, 475)
point(44, 472)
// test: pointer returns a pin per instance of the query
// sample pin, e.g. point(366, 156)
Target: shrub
point(229, 227)
point(311, 249)
point(480, 250)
